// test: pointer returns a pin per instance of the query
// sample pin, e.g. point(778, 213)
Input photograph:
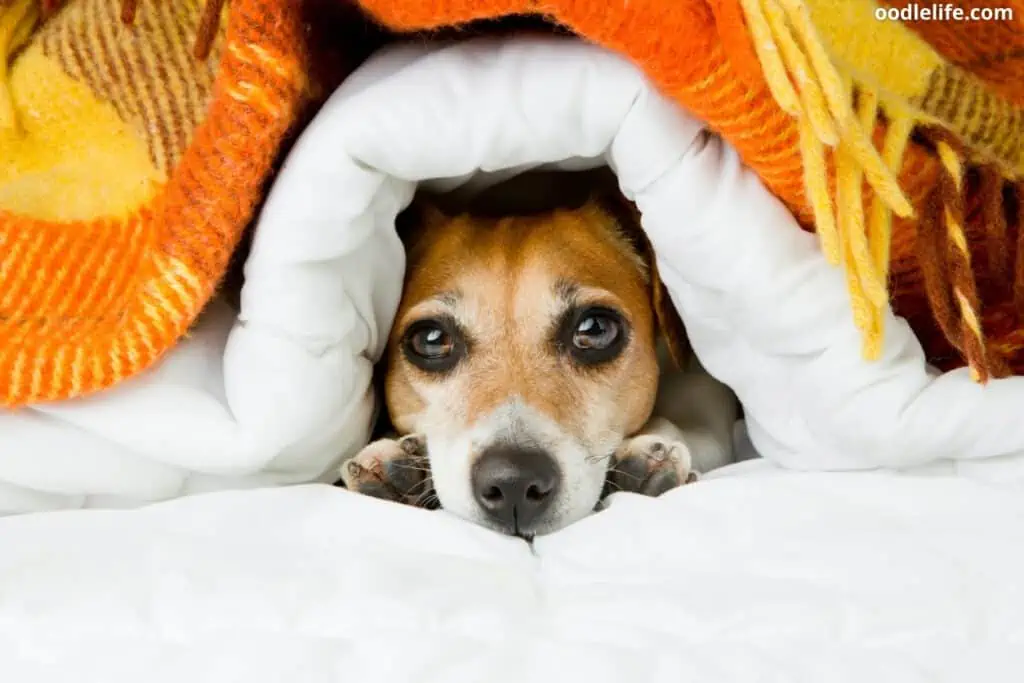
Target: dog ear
point(669, 323)
point(421, 215)
point(431, 215)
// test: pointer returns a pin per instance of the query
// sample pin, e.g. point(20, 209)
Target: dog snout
point(515, 485)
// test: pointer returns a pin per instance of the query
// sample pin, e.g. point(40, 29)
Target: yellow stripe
point(28, 260)
point(18, 373)
point(59, 364)
point(36, 377)
point(77, 369)
point(16, 255)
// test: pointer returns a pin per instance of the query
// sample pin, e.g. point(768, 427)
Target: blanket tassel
point(206, 32)
point(832, 115)
point(945, 257)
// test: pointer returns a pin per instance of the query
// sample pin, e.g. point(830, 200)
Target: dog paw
point(649, 465)
point(392, 469)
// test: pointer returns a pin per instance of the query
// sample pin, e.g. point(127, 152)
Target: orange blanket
point(902, 144)
point(135, 139)
point(949, 261)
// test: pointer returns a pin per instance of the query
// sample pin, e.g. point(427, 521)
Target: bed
point(871, 531)
point(751, 575)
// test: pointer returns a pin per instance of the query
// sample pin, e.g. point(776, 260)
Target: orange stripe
point(15, 300)
point(79, 268)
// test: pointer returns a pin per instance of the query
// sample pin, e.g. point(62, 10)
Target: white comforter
point(749, 576)
point(752, 575)
point(282, 393)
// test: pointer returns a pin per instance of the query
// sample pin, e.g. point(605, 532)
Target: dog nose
point(515, 485)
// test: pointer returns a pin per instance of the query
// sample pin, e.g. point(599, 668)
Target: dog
point(521, 375)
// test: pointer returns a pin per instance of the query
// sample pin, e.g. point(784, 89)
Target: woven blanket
point(127, 172)
point(902, 144)
point(135, 139)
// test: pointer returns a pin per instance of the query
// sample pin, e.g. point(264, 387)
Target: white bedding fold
point(281, 393)
point(752, 575)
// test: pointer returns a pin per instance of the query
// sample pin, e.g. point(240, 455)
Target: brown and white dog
point(522, 373)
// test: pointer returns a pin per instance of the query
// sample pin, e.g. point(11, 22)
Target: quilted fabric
point(765, 312)
point(720, 59)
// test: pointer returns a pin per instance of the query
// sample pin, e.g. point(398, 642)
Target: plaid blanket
point(897, 136)
point(135, 139)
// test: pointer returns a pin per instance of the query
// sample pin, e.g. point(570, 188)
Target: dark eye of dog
point(594, 335)
point(433, 345)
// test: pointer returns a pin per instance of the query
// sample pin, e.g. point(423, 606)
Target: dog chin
point(545, 527)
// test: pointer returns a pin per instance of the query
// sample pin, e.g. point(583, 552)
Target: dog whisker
point(425, 481)
point(593, 458)
point(615, 486)
point(408, 466)
point(623, 473)
point(424, 485)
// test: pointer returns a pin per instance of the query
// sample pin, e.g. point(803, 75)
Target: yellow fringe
point(806, 84)
point(897, 137)
point(836, 95)
point(879, 229)
point(874, 286)
point(816, 183)
point(17, 22)
point(768, 54)
point(851, 218)
point(812, 100)
point(790, 38)
point(853, 238)
point(863, 249)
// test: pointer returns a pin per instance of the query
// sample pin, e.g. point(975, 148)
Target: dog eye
point(431, 342)
point(432, 345)
point(595, 331)
point(596, 335)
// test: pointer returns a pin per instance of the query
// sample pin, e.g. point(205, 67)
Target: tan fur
point(499, 278)
point(508, 283)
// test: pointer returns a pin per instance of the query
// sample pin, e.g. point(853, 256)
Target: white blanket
point(750, 576)
point(282, 394)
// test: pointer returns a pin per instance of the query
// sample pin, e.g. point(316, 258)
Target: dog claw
point(414, 444)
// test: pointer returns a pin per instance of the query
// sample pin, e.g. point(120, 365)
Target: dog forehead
point(491, 261)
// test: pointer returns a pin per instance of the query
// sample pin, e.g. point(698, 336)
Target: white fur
point(583, 466)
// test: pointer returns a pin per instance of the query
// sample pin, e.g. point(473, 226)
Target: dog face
point(524, 350)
